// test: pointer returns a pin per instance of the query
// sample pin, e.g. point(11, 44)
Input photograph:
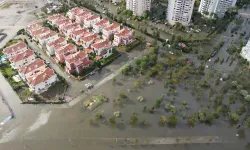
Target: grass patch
point(239, 21)
point(9, 71)
point(6, 5)
point(11, 42)
point(130, 46)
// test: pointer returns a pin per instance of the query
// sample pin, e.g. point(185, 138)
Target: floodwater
point(53, 127)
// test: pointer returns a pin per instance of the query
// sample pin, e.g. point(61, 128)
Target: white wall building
point(180, 11)
point(138, 6)
point(219, 7)
point(245, 52)
point(41, 81)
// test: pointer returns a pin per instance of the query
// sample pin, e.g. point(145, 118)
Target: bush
point(172, 120)
point(235, 117)
point(247, 123)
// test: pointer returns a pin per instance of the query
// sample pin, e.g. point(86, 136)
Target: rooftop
point(50, 34)
point(40, 31)
point(67, 48)
point(57, 41)
point(124, 32)
point(55, 17)
point(79, 31)
point(111, 27)
point(34, 25)
point(40, 77)
point(89, 37)
point(92, 17)
point(101, 22)
point(14, 48)
point(31, 67)
point(101, 44)
point(22, 56)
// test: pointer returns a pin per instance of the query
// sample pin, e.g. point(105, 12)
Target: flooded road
point(52, 127)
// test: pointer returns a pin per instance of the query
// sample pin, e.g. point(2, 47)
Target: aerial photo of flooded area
point(124, 74)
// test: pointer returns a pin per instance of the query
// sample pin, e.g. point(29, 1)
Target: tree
point(244, 92)
point(210, 118)
point(247, 97)
point(157, 102)
point(129, 12)
point(145, 15)
point(144, 108)
point(163, 120)
point(202, 116)
point(122, 95)
point(247, 123)
point(192, 119)
point(112, 120)
point(239, 87)
point(138, 62)
point(234, 83)
point(133, 119)
point(98, 116)
point(172, 120)
point(235, 117)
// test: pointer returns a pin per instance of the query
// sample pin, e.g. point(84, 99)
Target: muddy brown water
point(52, 127)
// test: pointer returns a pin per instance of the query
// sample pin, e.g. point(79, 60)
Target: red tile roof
point(67, 48)
point(40, 31)
point(125, 32)
point(34, 25)
point(89, 37)
point(50, 34)
point(88, 50)
point(63, 21)
point(92, 17)
point(84, 14)
point(101, 44)
point(71, 26)
point(76, 10)
point(101, 22)
point(55, 17)
point(41, 77)
point(79, 31)
point(74, 58)
point(14, 48)
point(22, 56)
point(111, 27)
point(31, 67)
point(57, 41)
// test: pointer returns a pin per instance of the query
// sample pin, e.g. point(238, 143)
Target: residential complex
point(79, 28)
point(180, 11)
point(32, 70)
point(218, 7)
point(245, 52)
point(138, 6)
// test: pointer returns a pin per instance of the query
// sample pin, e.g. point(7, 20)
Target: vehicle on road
point(89, 85)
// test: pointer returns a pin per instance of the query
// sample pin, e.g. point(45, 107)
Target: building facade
point(245, 52)
point(180, 11)
point(138, 6)
point(218, 7)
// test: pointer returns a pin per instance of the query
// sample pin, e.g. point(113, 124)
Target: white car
point(88, 85)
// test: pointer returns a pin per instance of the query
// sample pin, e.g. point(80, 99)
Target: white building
point(138, 6)
point(22, 59)
point(180, 11)
point(218, 7)
point(27, 71)
point(41, 81)
point(245, 52)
